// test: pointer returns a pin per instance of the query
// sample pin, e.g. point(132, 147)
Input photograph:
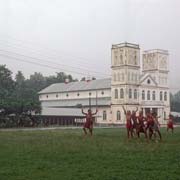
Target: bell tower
point(125, 61)
point(156, 63)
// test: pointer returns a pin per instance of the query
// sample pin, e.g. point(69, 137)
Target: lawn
point(68, 155)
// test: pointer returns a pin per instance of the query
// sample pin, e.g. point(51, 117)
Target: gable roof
point(78, 86)
point(145, 77)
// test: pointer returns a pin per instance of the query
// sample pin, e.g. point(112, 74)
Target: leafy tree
point(175, 102)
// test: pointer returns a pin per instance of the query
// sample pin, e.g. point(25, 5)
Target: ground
point(68, 155)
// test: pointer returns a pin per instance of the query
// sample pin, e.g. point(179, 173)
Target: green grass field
point(68, 155)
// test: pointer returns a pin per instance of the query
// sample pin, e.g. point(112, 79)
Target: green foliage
point(175, 102)
point(68, 155)
point(21, 95)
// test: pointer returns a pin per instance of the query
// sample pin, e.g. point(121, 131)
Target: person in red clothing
point(134, 120)
point(170, 123)
point(129, 126)
point(150, 124)
point(141, 124)
point(89, 121)
point(156, 126)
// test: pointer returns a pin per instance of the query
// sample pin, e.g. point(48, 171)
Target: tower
point(125, 61)
point(156, 63)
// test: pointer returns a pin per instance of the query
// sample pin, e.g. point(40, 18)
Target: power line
point(39, 52)
point(84, 69)
point(54, 50)
point(39, 64)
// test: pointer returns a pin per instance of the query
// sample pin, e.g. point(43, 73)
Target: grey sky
point(80, 33)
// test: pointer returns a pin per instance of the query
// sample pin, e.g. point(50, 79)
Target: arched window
point(135, 77)
point(161, 96)
point(135, 60)
point(143, 95)
point(154, 96)
point(164, 115)
point(132, 77)
point(114, 76)
point(122, 76)
point(118, 116)
point(165, 96)
point(135, 93)
point(116, 93)
point(115, 61)
point(104, 116)
point(148, 95)
point(121, 93)
point(129, 76)
point(121, 59)
point(130, 93)
point(119, 77)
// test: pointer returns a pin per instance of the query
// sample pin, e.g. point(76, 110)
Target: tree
point(83, 79)
point(20, 79)
point(175, 102)
point(6, 87)
point(6, 81)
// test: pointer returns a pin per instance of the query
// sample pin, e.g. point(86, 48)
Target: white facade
point(131, 86)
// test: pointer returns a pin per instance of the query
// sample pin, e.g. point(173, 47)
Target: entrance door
point(147, 110)
point(155, 110)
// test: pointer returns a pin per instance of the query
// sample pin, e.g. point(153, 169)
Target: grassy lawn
point(68, 155)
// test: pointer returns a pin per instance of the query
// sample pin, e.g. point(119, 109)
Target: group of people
point(148, 124)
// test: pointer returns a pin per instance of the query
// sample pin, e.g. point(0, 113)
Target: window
point(121, 93)
point(121, 59)
point(130, 93)
point(161, 96)
point(47, 96)
point(129, 76)
point(164, 115)
point(148, 95)
point(135, 60)
point(78, 94)
point(132, 77)
point(143, 95)
point(118, 116)
point(135, 93)
point(154, 95)
point(102, 92)
point(67, 95)
point(148, 81)
point(119, 77)
point(165, 96)
point(116, 94)
point(56, 95)
point(104, 115)
point(135, 77)
point(90, 94)
point(122, 76)
point(115, 62)
point(114, 76)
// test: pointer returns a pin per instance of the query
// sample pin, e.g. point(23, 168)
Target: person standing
point(89, 121)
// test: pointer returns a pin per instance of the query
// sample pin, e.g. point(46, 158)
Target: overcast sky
point(75, 36)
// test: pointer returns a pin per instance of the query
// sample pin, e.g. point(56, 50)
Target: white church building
point(134, 83)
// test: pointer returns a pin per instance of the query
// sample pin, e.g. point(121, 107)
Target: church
point(135, 83)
